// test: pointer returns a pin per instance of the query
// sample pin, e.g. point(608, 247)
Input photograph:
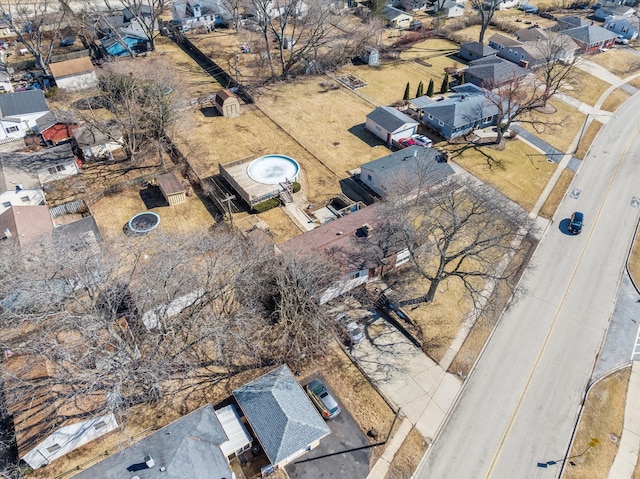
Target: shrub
point(266, 205)
point(296, 186)
point(51, 92)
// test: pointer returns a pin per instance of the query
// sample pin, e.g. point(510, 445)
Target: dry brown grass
point(551, 204)
point(602, 415)
point(408, 456)
point(281, 227)
point(617, 60)
point(329, 122)
point(587, 139)
point(522, 177)
point(211, 140)
point(615, 99)
point(195, 80)
point(587, 88)
point(114, 211)
point(561, 126)
point(633, 262)
point(440, 320)
point(635, 82)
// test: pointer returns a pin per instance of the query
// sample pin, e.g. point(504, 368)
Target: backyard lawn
point(618, 61)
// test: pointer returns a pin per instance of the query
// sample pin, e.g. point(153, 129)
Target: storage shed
point(172, 189)
point(370, 56)
point(227, 103)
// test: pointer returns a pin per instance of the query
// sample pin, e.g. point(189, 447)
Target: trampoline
point(143, 222)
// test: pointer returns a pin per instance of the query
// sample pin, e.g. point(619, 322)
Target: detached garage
point(390, 125)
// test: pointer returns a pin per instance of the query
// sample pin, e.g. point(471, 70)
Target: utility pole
point(227, 199)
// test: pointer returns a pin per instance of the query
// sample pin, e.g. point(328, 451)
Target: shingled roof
point(280, 413)
point(389, 118)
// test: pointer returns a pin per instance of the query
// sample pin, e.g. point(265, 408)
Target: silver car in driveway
point(322, 398)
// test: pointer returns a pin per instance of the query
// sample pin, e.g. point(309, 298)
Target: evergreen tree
point(445, 84)
point(407, 92)
point(420, 91)
point(430, 88)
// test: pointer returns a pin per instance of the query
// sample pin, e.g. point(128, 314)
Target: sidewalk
point(625, 461)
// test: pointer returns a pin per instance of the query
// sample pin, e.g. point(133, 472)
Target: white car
point(351, 329)
point(422, 141)
point(622, 41)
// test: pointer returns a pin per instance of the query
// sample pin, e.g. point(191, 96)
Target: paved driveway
point(339, 455)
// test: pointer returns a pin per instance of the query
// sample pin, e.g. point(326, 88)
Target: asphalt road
point(519, 406)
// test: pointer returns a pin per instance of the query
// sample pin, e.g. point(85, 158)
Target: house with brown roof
point(25, 223)
point(340, 236)
point(227, 103)
point(75, 74)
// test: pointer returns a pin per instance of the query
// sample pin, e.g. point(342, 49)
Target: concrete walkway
point(381, 467)
point(627, 457)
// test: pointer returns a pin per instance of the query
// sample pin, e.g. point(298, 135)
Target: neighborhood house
point(19, 112)
point(390, 125)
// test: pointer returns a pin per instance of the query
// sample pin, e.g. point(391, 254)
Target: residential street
point(518, 408)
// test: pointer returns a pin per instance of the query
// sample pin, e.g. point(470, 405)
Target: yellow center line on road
point(498, 452)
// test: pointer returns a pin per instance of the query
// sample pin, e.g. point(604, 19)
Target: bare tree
point(486, 10)
point(145, 104)
point(557, 70)
point(37, 25)
point(146, 13)
point(463, 231)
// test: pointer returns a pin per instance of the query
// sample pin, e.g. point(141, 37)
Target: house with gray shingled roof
point(534, 47)
point(19, 112)
point(493, 72)
point(188, 447)
point(390, 125)
point(474, 50)
point(626, 27)
point(406, 170)
point(460, 113)
point(613, 9)
point(571, 21)
point(283, 418)
point(591, 38)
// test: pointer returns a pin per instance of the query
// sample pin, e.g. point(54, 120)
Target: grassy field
point(523, 174)
point(615, 99)
point(551, 204)
point(306, 110)
point(618, 61)
point(602, 416)
point(587, 88)
point(113, 212)
point(587, 139)
point(408, 456)
point(634, 261)
point(561, 127)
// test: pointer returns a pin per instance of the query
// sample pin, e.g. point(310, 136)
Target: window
point(440, 122)
point(522, 56)
point(6, 204)
point(54, 448)
point(430, 117)
point(99, 425)
point(60, 167)
point(369, 177)
point(52, 170)
point(25, 199)
point(11, 129)
point(625, 29)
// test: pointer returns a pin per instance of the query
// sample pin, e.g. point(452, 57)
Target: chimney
point(7, 232)
point(148, 460)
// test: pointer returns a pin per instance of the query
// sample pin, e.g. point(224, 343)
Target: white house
point(627, 27)
point(75, 74)
point(276, 8)
point(200, 13)
point(19, 112)
point(397, 18)
point(98, 142)
point(452, 9)
point(390, 125)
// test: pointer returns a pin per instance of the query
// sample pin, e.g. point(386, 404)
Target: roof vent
point(7, 232)
point(338, 233)
point(148, 460)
